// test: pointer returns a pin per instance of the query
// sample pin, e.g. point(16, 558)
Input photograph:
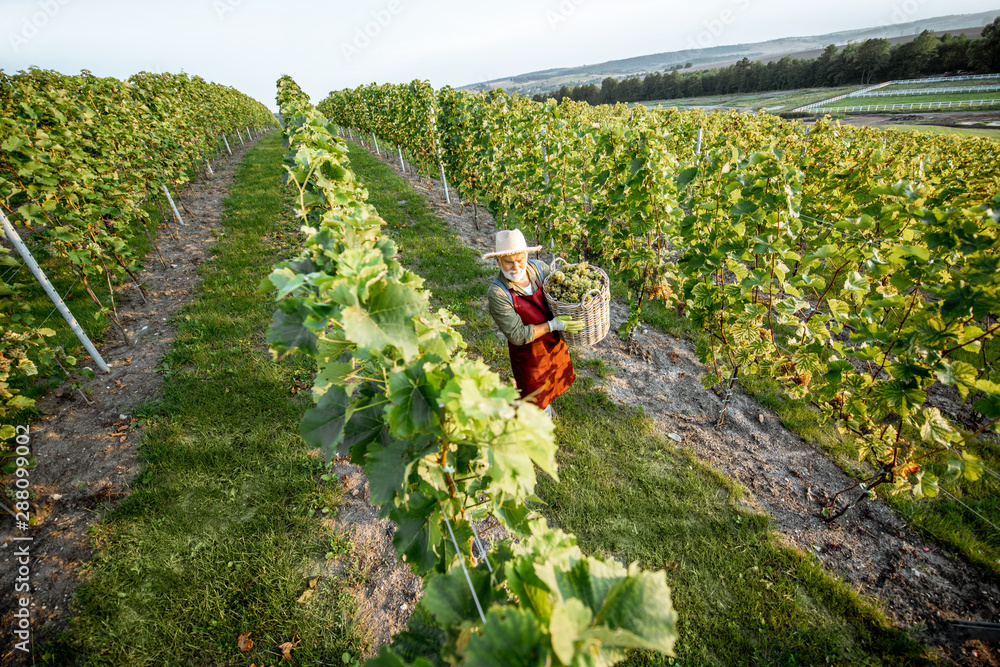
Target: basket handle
point(592, 294)
point(553, 268)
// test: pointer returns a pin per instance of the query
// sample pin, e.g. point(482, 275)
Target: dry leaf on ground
point(286, 649)
point(308, 592)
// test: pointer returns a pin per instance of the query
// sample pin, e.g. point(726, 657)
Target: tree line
point(870, 61)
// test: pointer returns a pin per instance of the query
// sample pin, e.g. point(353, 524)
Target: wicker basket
point(594, 311)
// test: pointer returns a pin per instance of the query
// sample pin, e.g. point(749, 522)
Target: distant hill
point(720, 56)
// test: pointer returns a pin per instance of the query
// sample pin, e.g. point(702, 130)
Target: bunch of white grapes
point(572, 282)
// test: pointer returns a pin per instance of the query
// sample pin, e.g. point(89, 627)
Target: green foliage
point(443, 441)
point(856, 268)
point(81, 154)
point(218, 535)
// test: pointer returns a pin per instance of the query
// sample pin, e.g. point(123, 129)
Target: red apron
point(543, 365)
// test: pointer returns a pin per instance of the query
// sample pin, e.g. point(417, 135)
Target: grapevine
point(81, 155)
point(856, 267)
point(444, 442)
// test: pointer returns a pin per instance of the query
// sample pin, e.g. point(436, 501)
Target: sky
point(330, 45)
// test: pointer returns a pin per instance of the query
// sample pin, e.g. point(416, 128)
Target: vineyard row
point(855, 267)
point(444, 443)
point(81, 156)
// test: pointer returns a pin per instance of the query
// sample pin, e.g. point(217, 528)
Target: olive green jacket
point(502, 310)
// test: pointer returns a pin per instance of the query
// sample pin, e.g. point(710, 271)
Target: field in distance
point(962, 123)
point(773, 102)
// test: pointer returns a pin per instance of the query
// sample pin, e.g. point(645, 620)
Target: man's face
point(514, 266)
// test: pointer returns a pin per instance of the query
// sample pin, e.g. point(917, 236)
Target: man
point(539, 357)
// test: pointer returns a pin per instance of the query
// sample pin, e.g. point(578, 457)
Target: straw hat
point(510, 242)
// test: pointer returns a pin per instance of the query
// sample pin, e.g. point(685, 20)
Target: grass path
point(742, 597)
point(218, 535)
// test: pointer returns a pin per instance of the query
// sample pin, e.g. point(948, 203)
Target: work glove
point(565, 323)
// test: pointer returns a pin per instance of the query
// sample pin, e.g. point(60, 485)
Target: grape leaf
point(416, 537)
point(387, 658)
point(287, 332)
point(569, 619)
point(510, 638)
point(389, 465)
point(413, 408)
point(936, 429)
point(855, 282)
point(323, 426)
point(449, 599)
point(386, 319)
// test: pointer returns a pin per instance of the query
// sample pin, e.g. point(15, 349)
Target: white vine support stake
point(177, 214)
point(401, 165)
point(375, 140)
point(36, 270)
point(240, 136)
point(697, 146)
point(209, 165)
point(249, 136)
point(226, 141)
point(437, 148)
point(545, 154)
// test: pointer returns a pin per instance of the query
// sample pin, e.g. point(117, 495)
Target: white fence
point(909, 106)
point(926, 91)
point(865, 92)
point(839, 97)
point(967, 77)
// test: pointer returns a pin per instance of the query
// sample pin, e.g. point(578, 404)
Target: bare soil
point(916, 583)
point(86, 456)
point(383, 587)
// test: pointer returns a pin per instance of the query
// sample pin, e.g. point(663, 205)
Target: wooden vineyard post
point(36, 270)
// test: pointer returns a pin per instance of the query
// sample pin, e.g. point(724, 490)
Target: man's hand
point(565, 323)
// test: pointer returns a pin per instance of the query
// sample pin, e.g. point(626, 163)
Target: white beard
point(516, 276)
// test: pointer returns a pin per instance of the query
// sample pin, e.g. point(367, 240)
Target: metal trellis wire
point(465, 571)
point(55, 309)
point(945, 492)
